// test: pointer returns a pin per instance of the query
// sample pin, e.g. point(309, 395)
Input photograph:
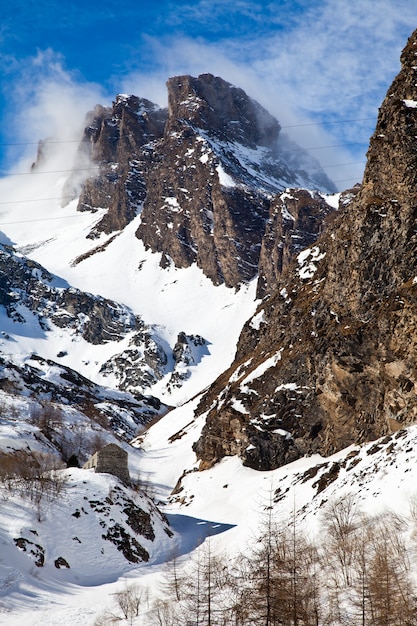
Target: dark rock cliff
point(297, 218)
point(115, 139)
point(209, 196)
point(329, 358)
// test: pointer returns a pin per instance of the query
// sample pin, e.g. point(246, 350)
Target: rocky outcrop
point(329, 358)
point(24, 282)
point(187, 353)
point(209, 196)
point(297, 218)
point(195, 210)
point(222, 110)
point(32, 299)
point(94, 520)
point(140, 357)
point(41, 378)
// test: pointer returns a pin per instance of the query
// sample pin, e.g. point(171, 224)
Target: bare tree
point(378, 590)
point(130, 600)
point(391, 591)
point(96, 442)
point(34, 475)
point(174, 580)
point(164, 613)
point(47, 417)
point(340, 522)
point(203, 595)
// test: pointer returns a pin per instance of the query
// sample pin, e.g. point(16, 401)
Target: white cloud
point(48, 102)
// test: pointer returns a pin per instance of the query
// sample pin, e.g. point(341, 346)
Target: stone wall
point(110, 460)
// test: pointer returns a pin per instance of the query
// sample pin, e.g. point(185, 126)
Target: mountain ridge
point(204, 172)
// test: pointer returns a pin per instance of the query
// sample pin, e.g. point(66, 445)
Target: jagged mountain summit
point(204, 170)
point(329, 358)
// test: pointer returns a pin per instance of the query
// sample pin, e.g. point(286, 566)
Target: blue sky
point(313, 64)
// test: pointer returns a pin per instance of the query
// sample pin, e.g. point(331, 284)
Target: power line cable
point(46, 219)
point(59, 141)
point(36, 143)
point(339, 165)
point(34, 173)
point(40, 219)
point(96, 169)
point(37, 200)
point(337, 145)
point(72, 197)
point(363, 119)
point(350, 143)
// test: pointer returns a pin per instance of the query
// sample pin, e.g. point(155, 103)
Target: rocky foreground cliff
point(329, 357)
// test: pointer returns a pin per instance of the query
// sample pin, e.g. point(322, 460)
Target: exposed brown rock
point(115, 140)
point(209, 196)
point(214, 105)
point(191, 218)
point(296, 220)
point(329, 359)
point(204, 172)
point(193, 213)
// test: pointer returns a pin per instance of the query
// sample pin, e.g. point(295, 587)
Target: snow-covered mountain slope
point(101, 242)
point(93, 519)
point(381, 475)
point(226, 503)
point(168, 302)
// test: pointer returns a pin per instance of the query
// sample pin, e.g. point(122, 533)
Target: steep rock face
point(329, 358)
point(115, 139)
point(208, 197)
point(191, 217)
point(204, 172)
point(211, 104)
point(296, 220)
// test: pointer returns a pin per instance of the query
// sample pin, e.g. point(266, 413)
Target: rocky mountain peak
point(216, 106)
point(201, 174)
point(124, 127)
point(210, 187)
point(114, 140)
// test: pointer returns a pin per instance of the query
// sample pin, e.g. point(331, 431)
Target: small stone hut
point(110, 460)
